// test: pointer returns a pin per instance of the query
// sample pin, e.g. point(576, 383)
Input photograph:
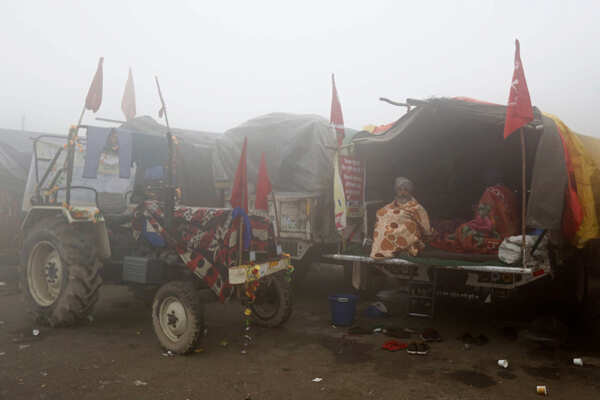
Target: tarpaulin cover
point(587, 179)
point(298, 151)
point(549, 180)
point(194, 159)
point(448, 141)
point(206, 239)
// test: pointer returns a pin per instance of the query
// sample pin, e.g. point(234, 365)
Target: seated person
point(402, 225)
point(496, 217)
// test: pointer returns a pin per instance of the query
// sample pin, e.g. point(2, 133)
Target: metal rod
point(71, 143)
point(538, 241)
point(110, 120)
point(523, 196)
point(394, 103)
point(54, 159)
point(241, 235)
point(169, 201)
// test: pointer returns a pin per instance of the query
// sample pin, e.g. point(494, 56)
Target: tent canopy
point(453, 148)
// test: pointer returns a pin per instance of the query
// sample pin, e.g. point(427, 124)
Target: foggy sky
point(222, 62)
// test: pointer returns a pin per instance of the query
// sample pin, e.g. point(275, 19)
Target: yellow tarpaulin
point(587, 178)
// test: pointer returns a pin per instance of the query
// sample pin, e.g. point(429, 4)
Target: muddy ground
point(103, 359)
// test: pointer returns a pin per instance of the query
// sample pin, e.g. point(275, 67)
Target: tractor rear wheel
point(59, 271)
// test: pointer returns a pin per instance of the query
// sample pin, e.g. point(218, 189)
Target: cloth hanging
point(96, 141)
point(125, 150)
point(95, 145)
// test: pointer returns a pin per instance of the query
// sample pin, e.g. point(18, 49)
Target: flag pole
point(523, 196)
point(277, 220)
point(71, 139)
point(169, 203)
point(241, 235)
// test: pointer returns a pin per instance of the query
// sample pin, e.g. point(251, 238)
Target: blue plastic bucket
point(343, 309)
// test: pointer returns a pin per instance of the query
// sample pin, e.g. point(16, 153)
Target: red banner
point(353, 174)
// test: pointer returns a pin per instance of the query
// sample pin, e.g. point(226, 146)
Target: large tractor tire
point(273, 304)
point(59, 271)
point(178, 317)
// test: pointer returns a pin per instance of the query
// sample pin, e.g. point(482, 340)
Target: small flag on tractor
point(519, 111)
point(336, 119)
point(93, 99)
point(128, 101)
point(263, 186)
point(239, 192)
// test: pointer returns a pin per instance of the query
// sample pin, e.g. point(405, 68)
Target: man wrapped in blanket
point(401, 226)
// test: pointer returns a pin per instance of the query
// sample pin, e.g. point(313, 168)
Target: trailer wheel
point(273, 304)
point(178, 317)
point(59, 272)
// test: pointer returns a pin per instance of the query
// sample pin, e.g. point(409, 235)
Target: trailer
point(444, 145)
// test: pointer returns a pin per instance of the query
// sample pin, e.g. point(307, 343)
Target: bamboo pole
point(523, 196)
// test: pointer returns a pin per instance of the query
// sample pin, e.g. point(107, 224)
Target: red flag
point(93, 99)
point(263, 186)
point(239, 192)
point(128, 101)
point(336, 119)
point(519, 111)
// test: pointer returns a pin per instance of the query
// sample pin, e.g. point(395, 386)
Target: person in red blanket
point(496, 217)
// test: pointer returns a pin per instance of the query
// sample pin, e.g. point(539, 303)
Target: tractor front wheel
point(178, 317)
point(273, 304)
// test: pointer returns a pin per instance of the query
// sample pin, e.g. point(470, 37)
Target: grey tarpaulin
point(549, 180)
point(298, 151)
point(148, 125)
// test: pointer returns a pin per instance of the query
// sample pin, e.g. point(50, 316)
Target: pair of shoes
point(431, 335)
point(421, 349)
point(393, 345)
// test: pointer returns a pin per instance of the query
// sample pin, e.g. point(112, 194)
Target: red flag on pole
point(336, 119)
point(128, 101)
point(263, 186)
point(93, 99)
point(519, 111)
point(239, 192)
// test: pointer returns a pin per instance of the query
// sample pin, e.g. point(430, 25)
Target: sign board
point(353, 174)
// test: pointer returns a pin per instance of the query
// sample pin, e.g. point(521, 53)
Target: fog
point(221, 63)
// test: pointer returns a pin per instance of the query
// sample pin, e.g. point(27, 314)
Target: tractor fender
point(38, 213)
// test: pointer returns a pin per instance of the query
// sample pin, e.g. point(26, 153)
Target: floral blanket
point(400, 227)
point(206, 239)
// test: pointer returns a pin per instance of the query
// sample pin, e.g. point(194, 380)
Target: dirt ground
point(104, 358)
